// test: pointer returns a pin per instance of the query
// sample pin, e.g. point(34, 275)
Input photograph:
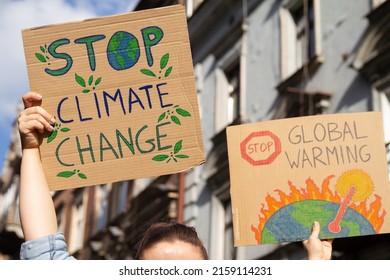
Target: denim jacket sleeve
point(51, 247)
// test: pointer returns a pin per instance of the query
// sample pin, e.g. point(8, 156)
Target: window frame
point(288, 48)
point(227, 64)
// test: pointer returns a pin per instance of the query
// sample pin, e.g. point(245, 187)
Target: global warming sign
point(122, 91)
point(286, 174)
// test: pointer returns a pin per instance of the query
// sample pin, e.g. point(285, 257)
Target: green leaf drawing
point(79, 80)
point(161, 117)
point(169, 70)
point(42, 49)
point(66, 174)
point(82, 175)
point(90, 80)
point(98, 80)
point(65, 129)
point(52, 136)
point(173, 155)
point(40, 57)
point(160, 157)
point(148, 72)
point(82, 82)
point(182, 156)
point(183, 112)
point(164, 61)
point(178, 146)
point(175, 120)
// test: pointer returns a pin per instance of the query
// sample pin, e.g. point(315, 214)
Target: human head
point(171, 240)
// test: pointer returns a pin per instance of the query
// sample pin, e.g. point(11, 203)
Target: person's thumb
point(315, 230)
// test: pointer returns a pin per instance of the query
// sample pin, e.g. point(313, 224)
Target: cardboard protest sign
point(286, 174)
point(122, 90)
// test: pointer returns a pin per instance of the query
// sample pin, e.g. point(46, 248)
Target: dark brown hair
point(171, 231)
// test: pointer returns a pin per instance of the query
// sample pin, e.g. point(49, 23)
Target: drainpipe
point(243, 62)
point(241, 251)
point(180, 198)
point(181, 176)
point(90, 216)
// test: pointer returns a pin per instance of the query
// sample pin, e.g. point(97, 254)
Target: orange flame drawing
point(371, 211)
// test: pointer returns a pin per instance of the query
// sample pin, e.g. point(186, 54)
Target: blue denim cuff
point(51, 247)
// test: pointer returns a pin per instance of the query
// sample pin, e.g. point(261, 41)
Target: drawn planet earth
point(123, 50)
point(285, 224)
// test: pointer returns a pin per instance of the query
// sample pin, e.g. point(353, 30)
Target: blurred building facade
point(254, 60)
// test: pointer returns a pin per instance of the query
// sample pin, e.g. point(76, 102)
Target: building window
point(230, 250)
point(192, 5)
point(298, 103)
point(372, 60)
point(118, 198)
point(102, 195)
point(300, 59)
point(221, 238)
point(376, 3)
point(61, 218)
point(233, 90)
point(300, 35)
point(384, 103)
point(78, 222)
point(228, 96)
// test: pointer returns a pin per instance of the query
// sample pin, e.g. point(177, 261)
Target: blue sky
point(16, 15)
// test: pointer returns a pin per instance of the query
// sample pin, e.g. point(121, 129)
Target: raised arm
point(37, 213)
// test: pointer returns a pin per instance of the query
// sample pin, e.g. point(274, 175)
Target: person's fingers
point(29, 122)
point(33, 124)
point(30, 98)
point(40, 111)
point(330, 241)
point(315, 231)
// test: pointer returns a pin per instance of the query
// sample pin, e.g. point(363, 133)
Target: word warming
point(122, 91)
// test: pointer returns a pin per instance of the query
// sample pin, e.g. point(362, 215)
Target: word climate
point(103, 104)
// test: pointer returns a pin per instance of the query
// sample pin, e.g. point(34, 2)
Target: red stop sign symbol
point(260, 147)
